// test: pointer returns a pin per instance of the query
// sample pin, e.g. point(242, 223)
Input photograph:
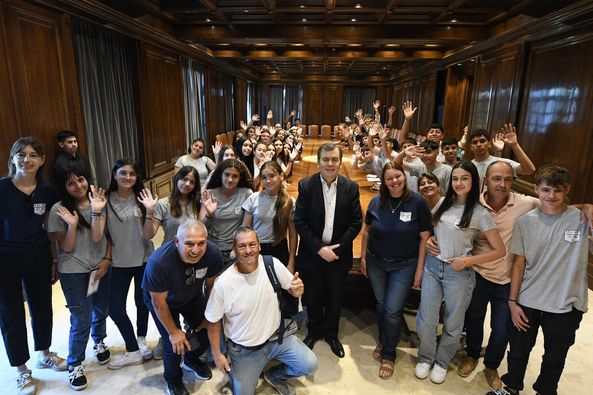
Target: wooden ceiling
point(283, 39)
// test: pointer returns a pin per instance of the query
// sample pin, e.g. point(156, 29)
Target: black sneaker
point(102, 353)
point(502, 391)
point(199, 369)
point(176, 389)
point(77, 378)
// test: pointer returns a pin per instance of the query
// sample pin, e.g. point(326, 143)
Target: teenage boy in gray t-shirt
point(548, 282)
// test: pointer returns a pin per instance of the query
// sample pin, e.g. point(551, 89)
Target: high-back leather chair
point(313, 130)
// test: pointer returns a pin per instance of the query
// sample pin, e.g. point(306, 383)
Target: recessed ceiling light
point(260, 45)
point(224, 44)
point(304, 19)
point(431, 45)
point(207, 19)
point(458, 64)
point(297, 45)
point(454, 20)
point(353, 19)
point(246, 11)
point(333, 49)
point(358, 6)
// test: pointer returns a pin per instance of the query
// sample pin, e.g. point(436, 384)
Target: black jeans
point(559, 334)
point(193, 314)
point(30, 270)
point(278, 251)
point(500, 321)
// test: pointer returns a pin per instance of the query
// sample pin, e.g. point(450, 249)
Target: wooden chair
point(313, 130)
point(326, 132)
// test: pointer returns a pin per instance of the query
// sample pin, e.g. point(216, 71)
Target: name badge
point(238, 210)
point(405, 216)
point(572, 236)
point(201, 273)
point(39, 208)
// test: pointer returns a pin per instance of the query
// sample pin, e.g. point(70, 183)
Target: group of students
point(97, 241)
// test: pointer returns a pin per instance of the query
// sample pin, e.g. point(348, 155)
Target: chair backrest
point(230, 135)
point(223, 138)
point(313, 130)
point(326, 131)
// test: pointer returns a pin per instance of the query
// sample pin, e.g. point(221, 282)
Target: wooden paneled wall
point(215, 108)
point(323, 104)
point(422, 93)
point(38, 84)
point(457, 101)
point(162, 123)
point(240, 100)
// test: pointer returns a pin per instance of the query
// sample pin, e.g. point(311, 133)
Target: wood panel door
point(312, 104)
point(38, 78)
point(332, 104)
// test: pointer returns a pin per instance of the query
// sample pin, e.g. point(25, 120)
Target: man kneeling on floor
point(244, 296)
point(174, 285)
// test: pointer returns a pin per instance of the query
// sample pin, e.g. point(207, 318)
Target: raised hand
point(148, 201)
point(209, 202)
point(97, 199)
point(255, 118)
point(376, 104)
point(268, 156)
point(358, 113)
point(347, 119)
point(257, 130)
point(216, 148)
point(293, 112)
point(243, 125)
point(409, 110)
point(413, 151)
point(270, 115)
point(498, 142)
point(294, 153)
point(71, 219)
point(391, 110)
point(509, 134)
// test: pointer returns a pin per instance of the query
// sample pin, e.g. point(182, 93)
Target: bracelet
point(512, 300)
point(107, 259)
point(94, 214)
point(54, 260)
point(149, 218)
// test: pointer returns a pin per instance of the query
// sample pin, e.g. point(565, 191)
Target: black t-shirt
point(22, 216)
point(166, 272)
point(64, 160)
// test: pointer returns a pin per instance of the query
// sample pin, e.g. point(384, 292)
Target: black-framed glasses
point(190, 272)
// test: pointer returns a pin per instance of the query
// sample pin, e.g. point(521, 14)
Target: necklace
point(396, 207)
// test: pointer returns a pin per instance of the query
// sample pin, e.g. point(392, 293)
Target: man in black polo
point(177, 281)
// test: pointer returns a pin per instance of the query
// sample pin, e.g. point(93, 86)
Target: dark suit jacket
point(309, 219)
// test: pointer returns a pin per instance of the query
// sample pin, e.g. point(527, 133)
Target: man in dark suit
point(327, 217)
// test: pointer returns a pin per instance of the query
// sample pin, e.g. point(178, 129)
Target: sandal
point(386, 369)
point(377, 353)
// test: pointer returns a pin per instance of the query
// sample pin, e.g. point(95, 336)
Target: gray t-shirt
point(129, 247)
point(555, 248)
point(227, 218)
point(202, 165)
point(455, 241)
point(483, 166)
point(441, 171)
point(162, 212)
point(262, 207)
point(86, 254)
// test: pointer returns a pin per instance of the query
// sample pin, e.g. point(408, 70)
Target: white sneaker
point(25, 384)
point(422, 370)
point(160, 349)
point(145, 349)
point(126, 359)
point(438, 374)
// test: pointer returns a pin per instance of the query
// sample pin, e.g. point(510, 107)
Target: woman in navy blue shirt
point(397, 225)
point(26, 261)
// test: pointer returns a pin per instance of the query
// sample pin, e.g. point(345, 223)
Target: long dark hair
point(195, 141)
point(224, 149)
point(17, 147)
point(473, 196)
point(193, 197)
point(245, 180)
point(283, 204)
point(384, 191)
point(62, 177)
point(248, 160)
point(138, 186)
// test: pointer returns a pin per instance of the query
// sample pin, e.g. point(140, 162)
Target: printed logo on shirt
point(456, 224)
point(39, 208)
point(201, 273)
point(137, 212)
point(405, 216)
point(572, 236)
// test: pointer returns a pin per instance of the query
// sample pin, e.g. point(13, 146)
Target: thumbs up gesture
point(297, 287)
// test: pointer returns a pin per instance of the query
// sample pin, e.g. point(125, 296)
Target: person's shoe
point(126, 359)
point(52, 361)
point(466, 366)
point(502, 391)
point(25, 384)
point(493, 379)
point(422, 370)
point(102, 353)
point(282, 387)
point(145, 349)
point(77, 378)
point(310, 340)
point(335, 346)
point(176, 389)
point(438, 374)
point(199, 369)
point(159, 349)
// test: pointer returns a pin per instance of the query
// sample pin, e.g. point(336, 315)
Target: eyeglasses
point(32, 156)
point(190, 271)
point(124, 173)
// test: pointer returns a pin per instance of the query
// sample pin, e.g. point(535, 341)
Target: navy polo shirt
point(395, 229)
point(22, 216)
point(166, 272)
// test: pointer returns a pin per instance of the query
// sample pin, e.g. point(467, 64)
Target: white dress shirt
point(329, 202)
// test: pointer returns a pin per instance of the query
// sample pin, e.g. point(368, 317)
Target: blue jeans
point(247, 364)
point(121, 277)
point(439, 282)
point(500, 321)
point(88, 314)
point(391, 282)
